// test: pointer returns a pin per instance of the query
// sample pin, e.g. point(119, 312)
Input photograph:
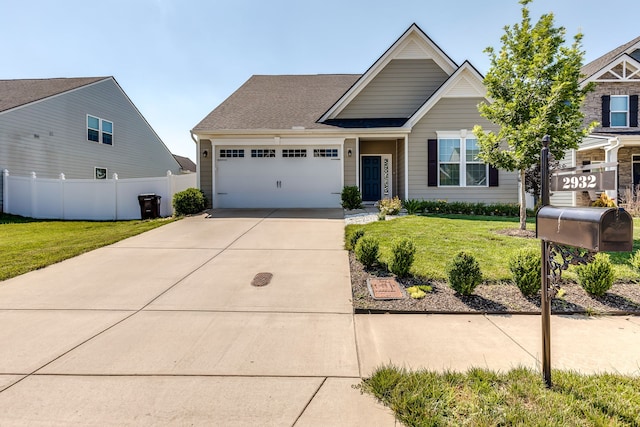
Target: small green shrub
point(351, 198)
point(525, 268)
point(604, 201)
point(390, 206)
point(381, 216)
point(597, 277)
point(635, 261)
point(402, 256)
point(367, 250)
point(353, 240)
point(188, 202)
point(464, 273)
point(412, 206)
point(465, 208)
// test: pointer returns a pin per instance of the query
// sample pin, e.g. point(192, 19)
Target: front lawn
point(439, 238)
point(519, 397)
point(29, 244)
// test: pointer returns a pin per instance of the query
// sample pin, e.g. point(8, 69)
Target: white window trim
point(100, 130)
point(611, 111)
point(462, 135)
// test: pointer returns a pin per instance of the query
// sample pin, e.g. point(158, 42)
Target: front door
point(371, 178)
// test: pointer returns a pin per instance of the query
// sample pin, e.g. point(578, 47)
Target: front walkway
point(165, 328)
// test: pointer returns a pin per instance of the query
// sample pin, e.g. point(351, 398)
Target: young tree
point(533, 84)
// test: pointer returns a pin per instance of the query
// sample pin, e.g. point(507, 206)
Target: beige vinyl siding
point(350, 162)
point(205, 170)
point(50, 137)
point(453, 114)
point(565, 198)
point(397, 91)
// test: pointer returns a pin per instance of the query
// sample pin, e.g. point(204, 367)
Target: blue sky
point(178, 59)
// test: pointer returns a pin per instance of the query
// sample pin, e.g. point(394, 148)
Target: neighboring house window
point(294, 152)
point(325, 152)
point(263, 153)
point(99, 130)
point(459, 164)
point(619, 110)
point(101, 173)
point(228, 153)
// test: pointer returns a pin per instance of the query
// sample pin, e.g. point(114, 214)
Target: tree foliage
point(534, 87)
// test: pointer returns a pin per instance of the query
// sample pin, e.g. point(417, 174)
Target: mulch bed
point(505, 298)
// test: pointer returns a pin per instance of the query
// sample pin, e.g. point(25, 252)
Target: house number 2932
point(579, 182)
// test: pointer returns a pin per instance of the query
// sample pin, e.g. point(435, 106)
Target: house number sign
point(594, 181)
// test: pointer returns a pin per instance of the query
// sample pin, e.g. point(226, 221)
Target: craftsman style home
point(403, 128)
point(84, 128)
point(614, 105)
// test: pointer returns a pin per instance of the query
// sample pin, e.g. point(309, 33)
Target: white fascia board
point(618, 60)
point(473, 76)
point(414, 33)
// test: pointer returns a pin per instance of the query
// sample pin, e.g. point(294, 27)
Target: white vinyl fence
point(88, 199)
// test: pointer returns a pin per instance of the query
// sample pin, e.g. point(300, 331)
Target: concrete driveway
point(165, 328)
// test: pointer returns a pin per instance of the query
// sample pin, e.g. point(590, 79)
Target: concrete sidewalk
point(166, 329)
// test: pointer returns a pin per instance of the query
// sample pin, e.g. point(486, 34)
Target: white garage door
point(278, 177)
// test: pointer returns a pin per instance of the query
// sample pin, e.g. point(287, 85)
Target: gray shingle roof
point(186, 164)
point(597, 64)
point(278, 103)
point(14, 93)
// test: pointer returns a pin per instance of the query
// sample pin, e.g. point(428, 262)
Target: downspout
point(406, 167)
point(358, 161)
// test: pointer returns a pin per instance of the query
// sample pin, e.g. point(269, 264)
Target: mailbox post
point(575, 234)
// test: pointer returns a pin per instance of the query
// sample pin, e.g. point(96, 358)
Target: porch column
point(611, 155)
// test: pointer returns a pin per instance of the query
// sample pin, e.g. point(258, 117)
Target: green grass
point(482, 397)
point(29, 244)
point(439, 238)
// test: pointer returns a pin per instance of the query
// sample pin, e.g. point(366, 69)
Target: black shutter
point(493, 176)
point(606, 110)
point(633, 111)
point(432, 160)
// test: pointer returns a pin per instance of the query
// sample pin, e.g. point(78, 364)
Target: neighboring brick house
point(614, 105)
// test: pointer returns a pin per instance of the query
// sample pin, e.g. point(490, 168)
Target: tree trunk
point(523, 202)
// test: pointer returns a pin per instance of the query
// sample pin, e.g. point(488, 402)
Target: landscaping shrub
point(367, 250)
point(466, 208)
point(412, 206)
point(351, 198)
point(189, 201)
point(464, 273)
point(353, 240)
point(419, 291)
point(525, 268)
point(604, 201)
point(402, 256)
point(635, 261)
point(390, 206)
point(597, 277)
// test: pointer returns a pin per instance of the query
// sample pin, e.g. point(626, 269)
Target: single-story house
point(614, 105)
point(84, 128)
point(403, 128)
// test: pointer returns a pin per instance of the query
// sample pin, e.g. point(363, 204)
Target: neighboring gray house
point(403, 128)
point(86, 128)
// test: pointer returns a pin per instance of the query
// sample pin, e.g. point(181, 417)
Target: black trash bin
point(149, 206)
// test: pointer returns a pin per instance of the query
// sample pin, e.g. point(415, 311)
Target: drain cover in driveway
point(262, 279)
point(384, 288)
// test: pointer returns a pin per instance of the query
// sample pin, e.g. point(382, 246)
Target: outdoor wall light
point(349, 153)
point(205, 154)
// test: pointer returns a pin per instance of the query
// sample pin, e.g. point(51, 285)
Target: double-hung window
point(458, 161)
point(99, 130)
point(619, 111)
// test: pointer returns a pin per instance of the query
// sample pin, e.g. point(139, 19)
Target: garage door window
point(263, 153)
point(294, 152)
point(325, 152)
point(228, 153)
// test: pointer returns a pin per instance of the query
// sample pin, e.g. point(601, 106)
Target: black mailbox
point(595, 229)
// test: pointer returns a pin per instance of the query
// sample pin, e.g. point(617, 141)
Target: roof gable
point(624, 68)
point(18, 93)
point(595, 68)
point(466, 82)
point(413, 44)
